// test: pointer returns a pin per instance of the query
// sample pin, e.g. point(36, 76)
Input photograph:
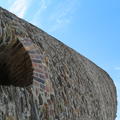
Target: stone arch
point(39, 69)
point(15, 64)
point(21, 64)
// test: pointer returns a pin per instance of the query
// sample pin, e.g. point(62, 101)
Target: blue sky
point(91, 27)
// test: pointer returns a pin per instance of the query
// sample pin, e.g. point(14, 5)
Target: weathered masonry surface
point(43, 79)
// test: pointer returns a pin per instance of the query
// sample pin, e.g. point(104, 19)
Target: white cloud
point(54, 16)
point(63, 14)
point(43, 4)
point(117, 68)
point(19, 7)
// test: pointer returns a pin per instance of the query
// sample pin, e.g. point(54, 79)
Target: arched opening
point(15, 65)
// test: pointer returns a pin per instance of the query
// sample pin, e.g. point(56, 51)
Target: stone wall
point(43, 79)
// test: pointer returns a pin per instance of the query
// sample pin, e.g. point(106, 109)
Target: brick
point(39, 79)
point(36, 60)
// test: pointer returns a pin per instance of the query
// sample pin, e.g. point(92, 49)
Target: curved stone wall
point(53, 81)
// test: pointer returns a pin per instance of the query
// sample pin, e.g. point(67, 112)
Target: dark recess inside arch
point(15, 66)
